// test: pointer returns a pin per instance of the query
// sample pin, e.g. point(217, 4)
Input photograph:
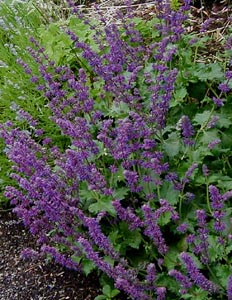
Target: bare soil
point(35, 280)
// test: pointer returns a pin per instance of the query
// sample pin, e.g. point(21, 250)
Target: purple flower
point(229, 288)
point(187, 129)
point(46, 141)
point(182, 228)
point(214, 143)
point(171, 176)
point(128, 215)
point(219, 226)
point(130, 289)
point(228, 74)
point(99, 238)
point(183, 280)
point(217, 200)
point(206, 24)
point(227, 195)
point(189, 173)
point(195, 275)
point(218, 102)
point(202, 247)
point(29, 253)
point(161, 293)
point(205, 170)
point(224, 87)
point(34, 79)
point(131, 177)
point(212, 122)
point(94, 256)
point(60, 258)
point(189, 197)
point(153, 230)
point(151, 276)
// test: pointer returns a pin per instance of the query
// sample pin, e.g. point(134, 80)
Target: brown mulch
point(36, 280)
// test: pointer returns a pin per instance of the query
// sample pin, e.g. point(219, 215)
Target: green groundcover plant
point(18, 21)
point(141, 189)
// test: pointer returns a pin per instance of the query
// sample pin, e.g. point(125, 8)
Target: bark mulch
point(36, 280)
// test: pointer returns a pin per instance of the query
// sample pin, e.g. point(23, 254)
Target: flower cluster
point(117, 194)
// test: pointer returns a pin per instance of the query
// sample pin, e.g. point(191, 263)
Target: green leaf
point(103, 204)
point(131, 238)
point(165, 218)
point(114, 293)
point(202, 118)
point(87, 266)
point(224, 121)
point(135, 240)
point(171, 259)
point(200, 153)
point(180, 93)
point(167, 192)
point(223, 272)
point(119, 110)
point(120, 193)
point(76, 259)
point(172, 145)
point(209, 72)
point(209, 136)
point(107, 290)
point(100, 297)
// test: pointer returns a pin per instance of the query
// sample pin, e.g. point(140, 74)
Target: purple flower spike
point(229, 288)
point(196, 276)
point(187, 129)
point(183, 280)
point(216, 198)
point(153, 230)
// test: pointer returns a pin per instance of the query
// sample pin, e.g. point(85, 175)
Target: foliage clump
point(140, 187)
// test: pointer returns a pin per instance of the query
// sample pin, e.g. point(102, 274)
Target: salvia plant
point(18, 21)
point(141, 189)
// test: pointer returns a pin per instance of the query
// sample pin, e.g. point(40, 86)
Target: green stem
point(207, 197)
point(203, 126)
point(158, 191)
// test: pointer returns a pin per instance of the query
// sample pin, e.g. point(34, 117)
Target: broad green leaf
point(114, 293)
point(120, 193)
point(87, 266)
point(100, 297)
point(119, 110)
point(223, 272)
point(167, 192)
point(76, 259)
point(171, 259)
point(180, 93)
point(200, 153)
point(209, 72)
point(131, 238)
point(172, 145)
point(224, 121)
point(209, 136)
point(135, 239)
point(107, 290)
point(202, 118)
point(164, 219)
point(103, 204)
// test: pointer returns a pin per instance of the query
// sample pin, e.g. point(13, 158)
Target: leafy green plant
point(140, 187)
point(107, 293)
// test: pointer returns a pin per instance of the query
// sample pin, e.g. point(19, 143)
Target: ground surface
point(36, 280)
